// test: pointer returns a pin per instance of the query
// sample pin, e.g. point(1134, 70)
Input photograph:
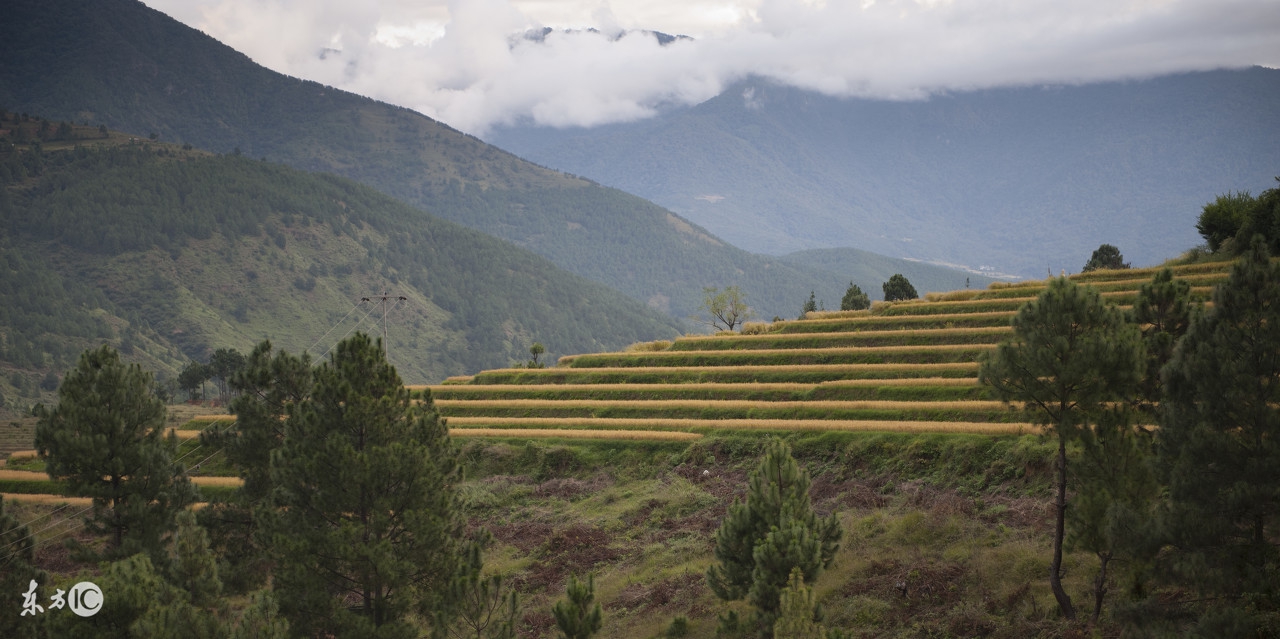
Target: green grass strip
point(934, 354)
point(917, 337)
point(725, 374)
point(574, 434)
point(867, 322)
point(764, 392)
point(977, 411)
point(729, 425)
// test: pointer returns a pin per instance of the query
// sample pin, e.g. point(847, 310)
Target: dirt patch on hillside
point(669, 595)
point(575, 550)
point(569, 488)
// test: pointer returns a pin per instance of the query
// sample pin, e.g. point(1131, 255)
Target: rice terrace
point(621, 465)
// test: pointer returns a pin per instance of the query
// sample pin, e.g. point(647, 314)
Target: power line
point(384, 298)
point(91, 506)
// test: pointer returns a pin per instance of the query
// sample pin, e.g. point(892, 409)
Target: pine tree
point(192, 566)
point(105, 440)
point(261, 620)
point(1070, 353)
point(854, 299)
point(809, 306)
point(1116, 498)
point(775, 530)
point(575, 615)
point(367, 509)
point(265, 387)
point(480, 607)
point(1217, 443)
point(797, 606)
point(223, 365)
point(1163, 310)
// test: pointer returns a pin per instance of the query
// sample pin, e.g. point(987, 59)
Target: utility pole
point(384, 299)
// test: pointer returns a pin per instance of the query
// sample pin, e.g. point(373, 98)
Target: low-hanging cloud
point(464, 61)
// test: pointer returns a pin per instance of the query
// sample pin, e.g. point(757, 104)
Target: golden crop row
point(650, 435)
point(877, 350)
point(726, 404)
point(27, 475)
point(931, 332)
point(605, 424)
point(829, 317)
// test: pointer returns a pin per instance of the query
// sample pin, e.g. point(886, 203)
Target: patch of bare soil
point(535, 623)
point(574, 550)
point(524, 535)
point(570, 488)
point(1019, 512)
point(672, 594)
point(724, 484)
point(916, 584)
point(830, 494)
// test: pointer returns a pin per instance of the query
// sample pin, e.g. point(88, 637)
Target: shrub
point(679, 627)
point(898, 288)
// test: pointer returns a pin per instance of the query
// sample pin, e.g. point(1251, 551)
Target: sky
point(465, 63)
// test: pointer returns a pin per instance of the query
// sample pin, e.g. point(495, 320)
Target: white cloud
point(457, 60)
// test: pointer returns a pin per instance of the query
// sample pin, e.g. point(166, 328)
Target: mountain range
point(1012, 180)
point(171, 253)
point(120, 64)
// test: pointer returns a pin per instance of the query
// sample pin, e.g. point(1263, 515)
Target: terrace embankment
point(905, 366)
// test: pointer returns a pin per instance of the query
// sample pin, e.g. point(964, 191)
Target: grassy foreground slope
point(119, 63)
point(169, 254)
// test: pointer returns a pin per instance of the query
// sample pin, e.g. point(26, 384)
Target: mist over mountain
point(1018, 180)
point(118, 63)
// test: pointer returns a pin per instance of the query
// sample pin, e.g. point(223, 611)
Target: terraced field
point(904, 366)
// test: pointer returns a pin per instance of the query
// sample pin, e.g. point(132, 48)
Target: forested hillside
point(1019, 179)
point(170, 254)
point(118, 63)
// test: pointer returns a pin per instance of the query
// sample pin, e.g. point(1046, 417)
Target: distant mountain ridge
point(119, 63)
point(1020, 179)
point(170, 254)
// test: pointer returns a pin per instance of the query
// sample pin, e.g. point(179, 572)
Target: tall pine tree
point(1163, 311)
point(1115, 501)
point(105, 439)
point(761, 540)
point(1218, 446)
point(265, 387)
point(1069, 353)
point(367, 527)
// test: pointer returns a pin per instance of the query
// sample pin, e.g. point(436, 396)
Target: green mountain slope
point(119, 63)
point(1018, 179)
point(172, 253)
